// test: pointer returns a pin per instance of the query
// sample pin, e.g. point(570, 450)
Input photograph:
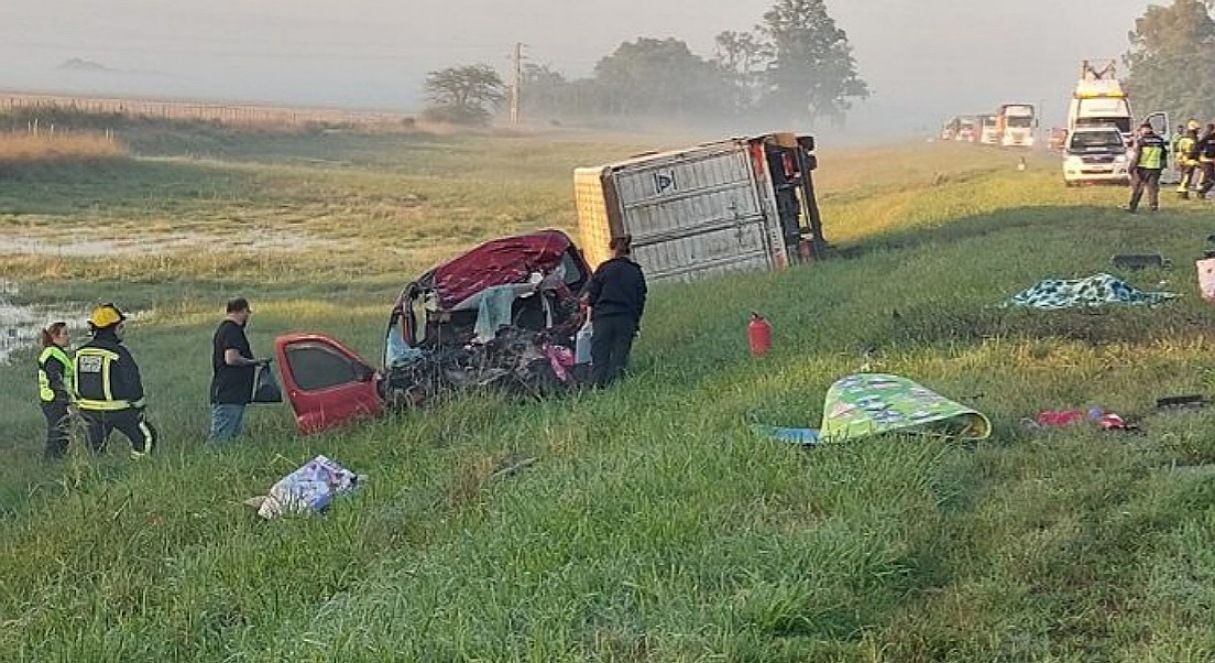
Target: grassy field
point(654, 526)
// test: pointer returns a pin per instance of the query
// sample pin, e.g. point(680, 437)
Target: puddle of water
point(71, 247)
point(21, 325)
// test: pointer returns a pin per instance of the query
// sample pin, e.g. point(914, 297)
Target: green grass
point(653, 526)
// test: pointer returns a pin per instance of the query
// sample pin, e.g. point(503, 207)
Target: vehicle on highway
point(1095, 155)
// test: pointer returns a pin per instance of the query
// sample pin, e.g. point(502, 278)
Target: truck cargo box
point(700, 211)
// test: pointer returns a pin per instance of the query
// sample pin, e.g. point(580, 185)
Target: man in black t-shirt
point(234, 367)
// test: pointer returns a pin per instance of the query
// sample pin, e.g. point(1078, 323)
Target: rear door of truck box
point(694, 213)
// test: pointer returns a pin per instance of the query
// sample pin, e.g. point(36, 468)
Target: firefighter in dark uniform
point(109, 389)
point(54, 388)
point(1206, 160)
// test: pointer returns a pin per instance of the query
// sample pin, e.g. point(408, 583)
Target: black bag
point(265, 386)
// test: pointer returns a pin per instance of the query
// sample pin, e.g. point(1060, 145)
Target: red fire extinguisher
point(759, 335)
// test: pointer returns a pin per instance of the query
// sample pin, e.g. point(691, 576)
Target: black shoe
point(1130, 210)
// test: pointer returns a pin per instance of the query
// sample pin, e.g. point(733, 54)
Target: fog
point(924, 59)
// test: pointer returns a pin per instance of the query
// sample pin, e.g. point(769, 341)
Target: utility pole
point(517, 68)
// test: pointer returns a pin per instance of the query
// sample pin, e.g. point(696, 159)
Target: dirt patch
point(78, 247)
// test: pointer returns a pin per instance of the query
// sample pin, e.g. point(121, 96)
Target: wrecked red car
point(504, 314)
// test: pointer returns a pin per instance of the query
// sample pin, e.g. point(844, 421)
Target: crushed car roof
point(497, 262)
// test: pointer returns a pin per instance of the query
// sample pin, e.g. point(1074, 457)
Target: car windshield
point(1097, 140)
point(1020, 122)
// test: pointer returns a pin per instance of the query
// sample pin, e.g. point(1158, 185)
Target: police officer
point(1186, 153)
point(55, 377)
point(108, 386)
point(1148, 159)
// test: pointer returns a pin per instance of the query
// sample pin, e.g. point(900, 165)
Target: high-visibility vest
point(46, 391)
point(1151, 154)
point(95, 364)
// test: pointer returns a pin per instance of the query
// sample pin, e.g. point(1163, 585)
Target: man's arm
point(643, 291)
point(593, 289)
point(232, 357)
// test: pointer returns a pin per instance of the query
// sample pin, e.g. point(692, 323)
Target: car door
point(328, 384)
point(1160, 124)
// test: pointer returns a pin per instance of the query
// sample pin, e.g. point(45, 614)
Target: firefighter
point(54, 388)
point(1186, 152)
point(109, 390)
point(1148, 159)
point(1206, 160)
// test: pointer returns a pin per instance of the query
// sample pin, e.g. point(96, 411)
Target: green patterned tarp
point(871, 404)
point(1098, 290)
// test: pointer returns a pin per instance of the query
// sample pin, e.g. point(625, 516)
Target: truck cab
point(1017, 124)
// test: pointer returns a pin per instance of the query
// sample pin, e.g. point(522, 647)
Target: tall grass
point(18, 149)
point(654, 525)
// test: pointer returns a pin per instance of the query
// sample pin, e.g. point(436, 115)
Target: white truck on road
point(1099, 100)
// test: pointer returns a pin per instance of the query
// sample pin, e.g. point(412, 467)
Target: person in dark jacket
point(109, 389)
point(1206, 160)
point(55, 377)
point(616, 295)
point(233, 371)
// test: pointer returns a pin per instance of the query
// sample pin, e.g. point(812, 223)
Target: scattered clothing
point(309, 489)
point(1065, 418)
point(561, 359)
point(1098, 290)
point(494, 311)
point(1206, 279)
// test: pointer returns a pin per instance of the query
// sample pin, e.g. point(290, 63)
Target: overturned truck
point(736, 205)
point(502, 315)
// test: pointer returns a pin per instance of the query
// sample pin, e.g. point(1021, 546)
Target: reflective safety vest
point(94, 388)
point(1151, 153)
point(46, 390)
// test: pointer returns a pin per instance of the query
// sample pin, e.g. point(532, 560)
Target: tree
point(1172, 60)
point(812, 69)
point(545, 90)
point(743, 57)
point(464, 95)
point(661, 77)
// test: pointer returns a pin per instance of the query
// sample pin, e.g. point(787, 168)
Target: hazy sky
point(924, 58)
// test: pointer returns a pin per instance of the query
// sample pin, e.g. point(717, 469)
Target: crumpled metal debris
point(516, 360)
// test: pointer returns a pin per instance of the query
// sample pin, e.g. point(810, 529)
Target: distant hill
point(78, 64)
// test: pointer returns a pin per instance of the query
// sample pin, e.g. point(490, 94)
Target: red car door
point(328, 384)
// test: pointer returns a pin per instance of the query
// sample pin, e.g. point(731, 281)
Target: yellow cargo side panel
point(593, 198)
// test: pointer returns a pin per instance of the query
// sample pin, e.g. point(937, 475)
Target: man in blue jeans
point(234, 368)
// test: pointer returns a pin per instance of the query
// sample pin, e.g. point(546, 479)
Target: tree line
point(795, 64)
point(1172, 60)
